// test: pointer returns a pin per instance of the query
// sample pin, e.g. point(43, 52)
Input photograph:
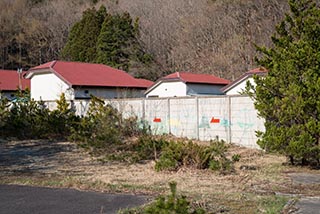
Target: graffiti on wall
point(185, 117)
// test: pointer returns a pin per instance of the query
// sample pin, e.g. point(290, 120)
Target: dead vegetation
point(204, 36)
point(257, 179)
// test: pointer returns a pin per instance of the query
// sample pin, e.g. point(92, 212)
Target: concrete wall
point(231, 118)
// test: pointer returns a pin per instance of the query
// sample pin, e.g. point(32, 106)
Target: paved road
point(24, 199)
point(307, 205)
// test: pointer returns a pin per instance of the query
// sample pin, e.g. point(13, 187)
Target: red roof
point(257, 71)
point(197, 78)
point(9, 80)
point(144, 82)
point(88, 74)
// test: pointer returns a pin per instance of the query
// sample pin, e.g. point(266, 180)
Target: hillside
point(203, 36)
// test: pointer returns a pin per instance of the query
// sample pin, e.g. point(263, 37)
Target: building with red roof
point(11, 81)
point(81, 80)
point(180, 84)
point(238, 86)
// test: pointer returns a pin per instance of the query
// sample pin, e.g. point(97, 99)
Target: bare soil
point(258, 177)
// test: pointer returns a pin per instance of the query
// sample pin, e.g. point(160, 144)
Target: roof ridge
point(53, 63)
point(92, 63)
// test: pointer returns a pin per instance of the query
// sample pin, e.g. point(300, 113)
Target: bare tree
point(204, 36)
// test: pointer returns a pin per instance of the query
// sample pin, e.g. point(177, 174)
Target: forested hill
point(203, 36)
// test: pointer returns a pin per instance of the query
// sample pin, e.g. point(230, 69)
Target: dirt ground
point(259, 181)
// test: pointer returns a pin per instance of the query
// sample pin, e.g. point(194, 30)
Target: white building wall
point(240, 87)
point(48, 86)
point(169, 89)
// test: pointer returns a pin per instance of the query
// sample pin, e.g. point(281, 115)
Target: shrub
point(63, 119)
point(177, 154)
point(28, 119)
point(171, 156)
point(149, 147)
point(103, 126)
point(236, 157)
point(4, 114)
point(172, 203)
point(100, 127)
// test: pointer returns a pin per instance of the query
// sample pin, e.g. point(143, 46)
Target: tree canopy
point(116, 36)
point(288, 97)
point(100, 37)
point(81, 44)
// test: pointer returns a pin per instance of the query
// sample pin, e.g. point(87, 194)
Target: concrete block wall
point(244, 122)
point(184, 117)
point(231, 118)
point(156, 114)
point(214, 118)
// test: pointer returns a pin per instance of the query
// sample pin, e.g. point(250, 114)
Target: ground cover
point(253, 187)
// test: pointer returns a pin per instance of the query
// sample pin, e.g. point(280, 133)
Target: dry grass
point(257, 177)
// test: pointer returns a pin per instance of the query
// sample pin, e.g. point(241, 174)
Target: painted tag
point(213, 120)
point(157, 120)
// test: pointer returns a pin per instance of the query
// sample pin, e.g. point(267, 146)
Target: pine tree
point(81, 44)
point(116, 38)
point(112, 40)
point(288, 98)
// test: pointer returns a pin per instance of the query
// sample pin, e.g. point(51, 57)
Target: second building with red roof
point(180, 84)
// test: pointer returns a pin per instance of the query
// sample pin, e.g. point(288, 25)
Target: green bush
point(236, 157)
point(100, 127)
point(28, 119)
point(4, 114)
point(168, 204)
point(171, 156)
point(177, 154)
point(63, 119)
point(104, 126)
point(149, 147)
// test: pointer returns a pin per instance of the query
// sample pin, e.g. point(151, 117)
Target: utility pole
point(19, 71)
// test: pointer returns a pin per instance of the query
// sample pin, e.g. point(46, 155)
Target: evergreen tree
point(116, 40)
point(81, 45)
point(108, 39)
point(288, 97)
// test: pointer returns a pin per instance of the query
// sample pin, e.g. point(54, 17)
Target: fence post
point(197, 118)
point(169, 116)
point(143, 110)
point(229, 124)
